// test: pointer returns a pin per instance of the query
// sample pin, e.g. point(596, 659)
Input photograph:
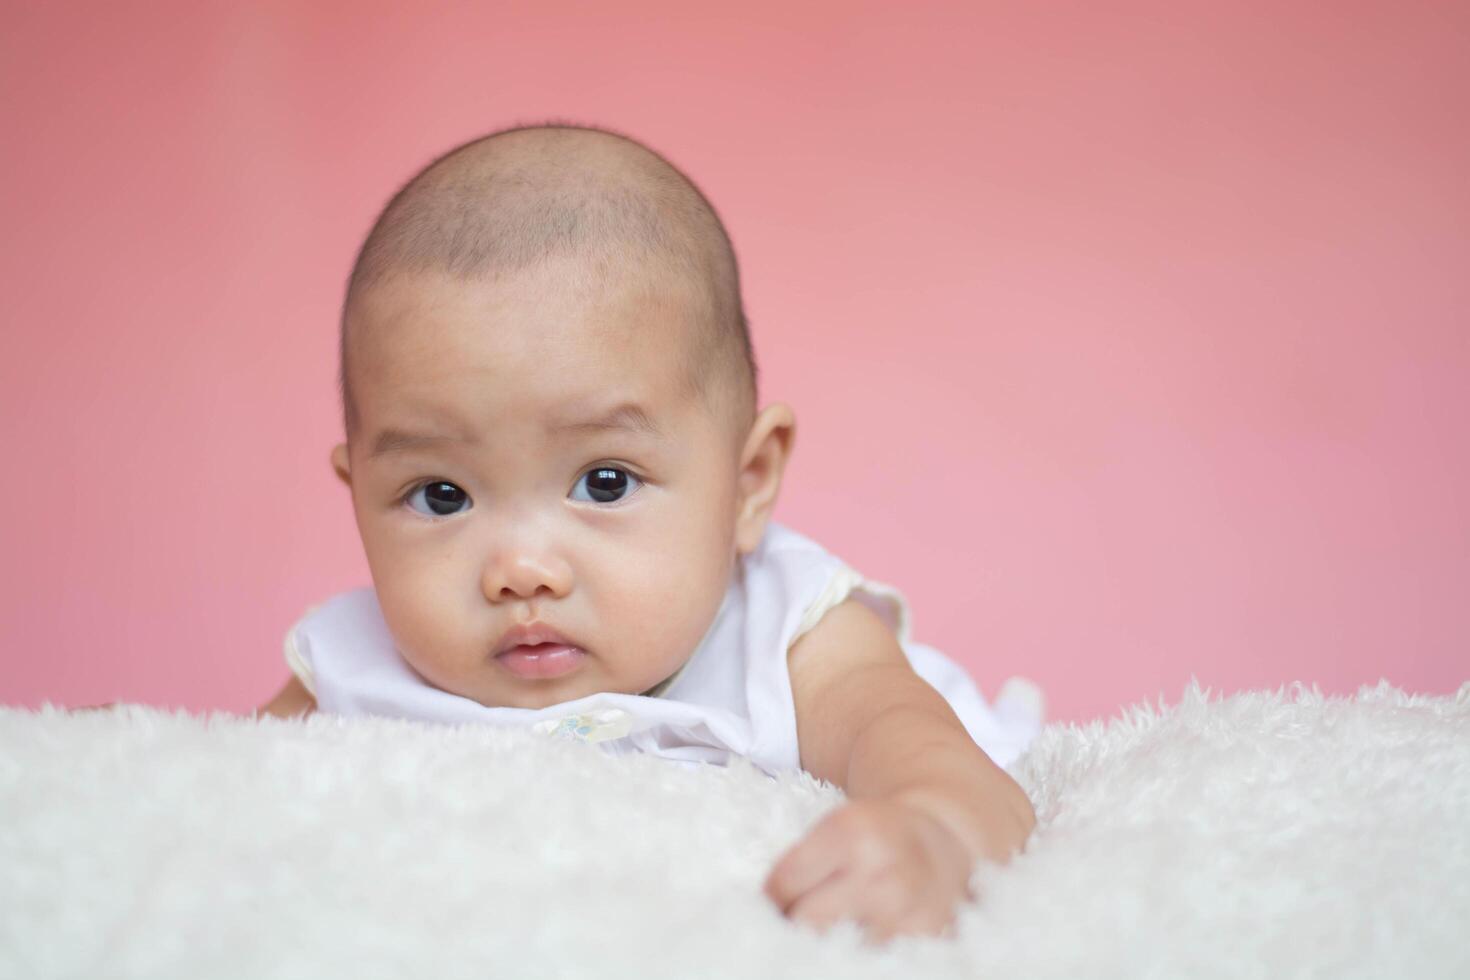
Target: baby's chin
point(533, 686)
point(538, 694)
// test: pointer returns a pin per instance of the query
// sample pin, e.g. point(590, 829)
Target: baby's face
point(538, 497)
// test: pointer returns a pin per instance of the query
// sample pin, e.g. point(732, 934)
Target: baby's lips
point(542, 660)
point(530, 634)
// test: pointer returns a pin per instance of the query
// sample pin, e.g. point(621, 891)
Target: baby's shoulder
point(810, 576)
point(293, 700)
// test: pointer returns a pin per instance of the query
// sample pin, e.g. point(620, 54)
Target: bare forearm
point(913, 753)
point(292, 701)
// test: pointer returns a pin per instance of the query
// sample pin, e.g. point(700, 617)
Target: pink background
point(1131, 343)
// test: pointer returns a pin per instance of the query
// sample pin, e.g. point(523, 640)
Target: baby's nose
point(524, 574)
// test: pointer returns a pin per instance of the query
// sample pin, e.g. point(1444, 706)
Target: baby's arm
point(925, 802)
point(294, 699)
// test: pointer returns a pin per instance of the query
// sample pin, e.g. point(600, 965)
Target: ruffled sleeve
point(298, 654)
point(845, 583)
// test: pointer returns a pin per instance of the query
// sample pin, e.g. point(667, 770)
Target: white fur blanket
point(1264, 835)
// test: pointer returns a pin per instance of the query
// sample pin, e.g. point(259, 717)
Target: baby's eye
point(605, 485)
point(443, 498)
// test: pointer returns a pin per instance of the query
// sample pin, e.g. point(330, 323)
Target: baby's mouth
point(540, 661)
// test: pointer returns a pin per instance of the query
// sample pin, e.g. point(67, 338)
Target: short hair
point(518, 197)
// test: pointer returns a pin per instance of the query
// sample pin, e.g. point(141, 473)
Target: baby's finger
point(837, 898)
point(920, 921)
point(810, 863)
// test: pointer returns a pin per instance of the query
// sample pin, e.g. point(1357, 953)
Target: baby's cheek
point(674, 615)
point(422, 628)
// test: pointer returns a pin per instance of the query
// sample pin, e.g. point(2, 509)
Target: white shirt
point(731, 697)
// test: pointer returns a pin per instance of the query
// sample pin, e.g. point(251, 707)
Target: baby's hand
point(888, 865)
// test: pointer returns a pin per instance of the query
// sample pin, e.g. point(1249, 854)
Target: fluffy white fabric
point(1264, 835)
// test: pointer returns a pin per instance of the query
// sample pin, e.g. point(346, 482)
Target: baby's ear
point(762, 462)
point(340, 464)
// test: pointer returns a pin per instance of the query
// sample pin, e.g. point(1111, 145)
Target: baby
point(564, 490)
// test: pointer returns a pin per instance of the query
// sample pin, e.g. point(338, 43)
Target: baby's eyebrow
point(628, 416)
point(391, 441)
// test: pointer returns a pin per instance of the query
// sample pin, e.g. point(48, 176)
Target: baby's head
point(550, 411)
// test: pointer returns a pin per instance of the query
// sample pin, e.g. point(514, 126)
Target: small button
point(594, 726)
